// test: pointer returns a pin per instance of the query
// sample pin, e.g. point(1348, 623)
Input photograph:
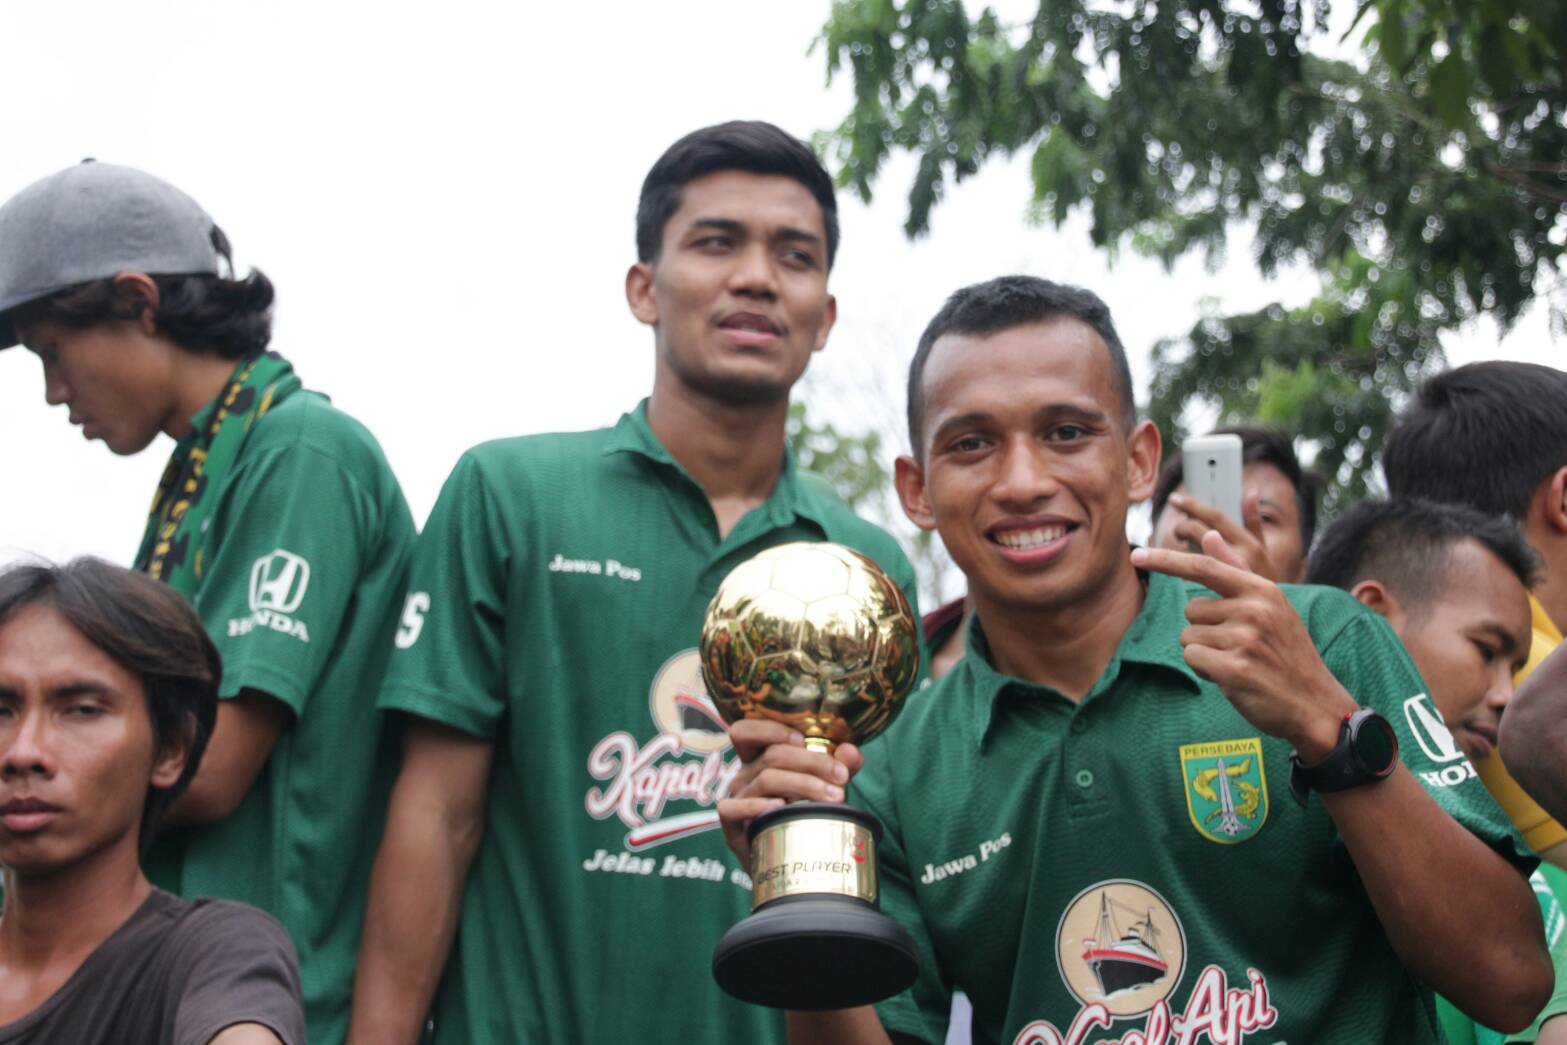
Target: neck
point(66, 916)
point(1551, 547)
point(1065, 648)
point(199, 379)
point(732, 450)
point(1552, 593)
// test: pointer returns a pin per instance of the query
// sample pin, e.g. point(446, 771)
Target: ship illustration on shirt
point(1124, 961)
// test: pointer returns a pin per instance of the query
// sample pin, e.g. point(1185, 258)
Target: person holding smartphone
point(1091, 821)
point(1278, 506)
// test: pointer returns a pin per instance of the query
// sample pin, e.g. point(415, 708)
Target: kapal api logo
point(1122, 954)
point(684, 762)
point(278, 582)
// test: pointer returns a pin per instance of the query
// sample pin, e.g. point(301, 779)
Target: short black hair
point(739, 145)
point(1014, 301)
point(200, 312)
point(1406, 545)
point(1485, 435)
point(148, 629)
point(1258, 443)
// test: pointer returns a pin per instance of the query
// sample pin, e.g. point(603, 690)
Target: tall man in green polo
point(556, 807)
point(1090, 827)
point(277, 517)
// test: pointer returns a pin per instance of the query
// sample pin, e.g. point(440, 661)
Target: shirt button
point(1085, 778)
point(1080, 725)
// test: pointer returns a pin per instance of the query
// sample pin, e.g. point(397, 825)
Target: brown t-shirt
point(176, 973)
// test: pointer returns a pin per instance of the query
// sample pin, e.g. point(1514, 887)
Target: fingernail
point(797, 739)
point(776, 803)
point(1177, 499)
point(834, 794)
point(840, 773)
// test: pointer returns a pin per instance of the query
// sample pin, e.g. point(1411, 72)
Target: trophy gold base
point(815, 939)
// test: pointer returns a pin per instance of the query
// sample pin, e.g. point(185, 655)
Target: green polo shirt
point(303, 572)
point(1132, 866)
point(557, 595)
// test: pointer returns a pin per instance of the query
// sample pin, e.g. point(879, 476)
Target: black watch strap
point(1367, 751)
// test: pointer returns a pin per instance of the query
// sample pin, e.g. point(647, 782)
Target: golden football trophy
point(817, 637)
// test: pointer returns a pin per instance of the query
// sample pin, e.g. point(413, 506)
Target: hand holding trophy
point(816, 637)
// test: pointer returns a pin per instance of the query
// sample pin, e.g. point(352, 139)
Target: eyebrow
point(1508, 641)
point(68, 691)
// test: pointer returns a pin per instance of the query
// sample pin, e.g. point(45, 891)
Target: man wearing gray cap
point(277, 517)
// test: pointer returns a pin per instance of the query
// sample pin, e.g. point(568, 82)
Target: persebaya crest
point(1226, 789)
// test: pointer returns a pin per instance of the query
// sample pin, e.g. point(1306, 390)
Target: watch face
point(1375, 744)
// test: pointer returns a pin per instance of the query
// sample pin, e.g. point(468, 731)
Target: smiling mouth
point(1036, 537)
point(751, 322)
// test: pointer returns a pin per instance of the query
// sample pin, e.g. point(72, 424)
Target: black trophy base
point(815, 952)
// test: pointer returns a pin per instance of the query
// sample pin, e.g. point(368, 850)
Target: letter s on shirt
point(412, 624)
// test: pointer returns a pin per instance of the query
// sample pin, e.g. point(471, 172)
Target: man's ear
point(829, 317)
point(1143, 448)
point(1384, 603)
point(639, 293)
point(169, 763)
point(1553, 506)
point(908, 475)
point(137, 286)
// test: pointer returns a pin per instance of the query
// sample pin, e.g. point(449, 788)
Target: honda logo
point(1427, 726)
point(278, 582)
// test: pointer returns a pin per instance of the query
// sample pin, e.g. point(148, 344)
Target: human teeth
point(1030, 538)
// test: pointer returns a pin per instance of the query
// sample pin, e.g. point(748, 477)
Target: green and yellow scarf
point(192, 484)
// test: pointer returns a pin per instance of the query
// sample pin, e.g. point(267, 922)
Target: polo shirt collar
point(790, 498)
point(1153, 639)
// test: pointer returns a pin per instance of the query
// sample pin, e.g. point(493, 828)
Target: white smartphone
point(1211, 466)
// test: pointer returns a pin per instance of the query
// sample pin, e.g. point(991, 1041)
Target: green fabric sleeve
point(449, 661)
point(1370, 662)
point(923, 1009)
point(279, 570)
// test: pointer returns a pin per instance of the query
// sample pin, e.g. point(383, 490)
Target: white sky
point(444, 197)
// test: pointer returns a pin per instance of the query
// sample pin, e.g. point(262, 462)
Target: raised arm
point(433, 830)
point(1429, 878)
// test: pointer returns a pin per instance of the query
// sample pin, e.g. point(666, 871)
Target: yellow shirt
point(1534, 823)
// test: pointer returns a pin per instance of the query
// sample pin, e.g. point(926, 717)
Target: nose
point(24, 748)
point(1025, 478)
point(755, 274)
point(1501, 692)
point(56, 391)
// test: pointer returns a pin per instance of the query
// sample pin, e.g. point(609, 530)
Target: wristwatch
point(1367, 751)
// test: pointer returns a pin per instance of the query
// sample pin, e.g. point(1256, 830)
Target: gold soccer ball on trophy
point(813, 635)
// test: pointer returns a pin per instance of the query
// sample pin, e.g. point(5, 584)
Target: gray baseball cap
point(94, 221)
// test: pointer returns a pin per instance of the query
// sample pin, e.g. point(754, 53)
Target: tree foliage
point(851, 463)
point(1417, 163)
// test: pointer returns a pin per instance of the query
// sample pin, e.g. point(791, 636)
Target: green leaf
point(1450, 90)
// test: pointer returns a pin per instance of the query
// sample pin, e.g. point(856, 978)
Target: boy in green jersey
point(1453, 582)
point(1091, 824)
point(1491, 436)
point(555, 813)
point(278, 518)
